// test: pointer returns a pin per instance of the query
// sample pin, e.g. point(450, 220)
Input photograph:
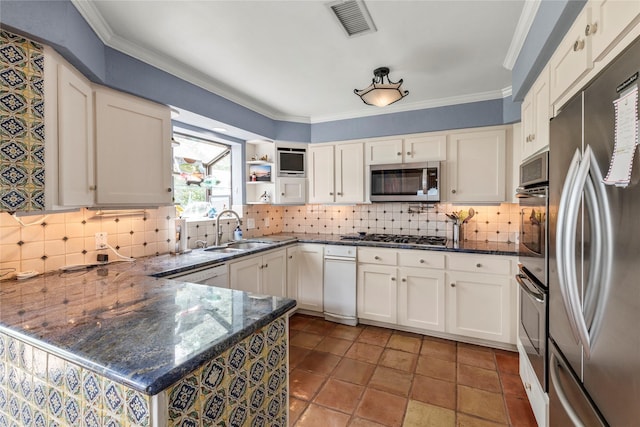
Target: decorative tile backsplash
point(21, 124)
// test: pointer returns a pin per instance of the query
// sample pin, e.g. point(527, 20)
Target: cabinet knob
point(591, 29)
point(453, 285)
point(331, 194)
point(532, 137)
point(290, 256)
point(408, 153)
point(339, 194)
point(404, 279)
point(478, 265)
point(169, 190)
point(527, 386)
point(376, 257)
point(578, 45)
point(421, 261)
point(266, 265)
point(92, 188)
point(393, 279)
point(282, 194)
point(399, 153)
point(453, 191)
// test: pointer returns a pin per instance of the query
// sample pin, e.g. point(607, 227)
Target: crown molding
point(94, 18)
point(527, 16)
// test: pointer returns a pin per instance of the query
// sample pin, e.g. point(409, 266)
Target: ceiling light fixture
point(379, 93)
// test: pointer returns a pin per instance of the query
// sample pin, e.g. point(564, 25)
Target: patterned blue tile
point(12, 54)
point(113, 397)
point(55, 402)
point(40, 394)
point(109, 421)
point(55, 368)
point(3, 399)
point(39, 419)
point(12, 351)
point(14, 79)
point(14, 406)
point(71, 411)
point(13, 127)
point(137, 408)
point(273, 358)
point(91, 390)
point(214, 407)
point(91, 417)
point(26, 387)
point(13, 379)
point(13, 200)
point(256, 345)
point(274, 382)
point(183, 395)
point(238, 387)
point(259, 421)
point(14, 151)
point(237, 358)
point(2, 348)
point(257, 371)
point(273, 333)
point(257, 398)
point(238, 416)
point(39, 364)
point(3, 372)
point(26, 415)
point(4, 422)
point(213, 375)
point(26, 355)
point(72, 379)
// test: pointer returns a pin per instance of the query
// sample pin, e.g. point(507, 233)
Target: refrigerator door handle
point(573, 208)
point(562, 239)
point(557, 385)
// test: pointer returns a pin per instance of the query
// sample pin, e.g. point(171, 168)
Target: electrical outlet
point(101, 240)
point(251, 223)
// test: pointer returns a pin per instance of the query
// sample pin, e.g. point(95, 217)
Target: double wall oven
point(533, 267)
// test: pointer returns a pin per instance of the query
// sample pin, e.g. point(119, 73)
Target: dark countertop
point(147, 332)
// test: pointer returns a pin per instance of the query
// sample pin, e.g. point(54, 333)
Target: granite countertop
point(141, 331)
point(147, 332)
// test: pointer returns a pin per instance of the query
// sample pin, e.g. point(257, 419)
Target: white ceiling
point(291, 60)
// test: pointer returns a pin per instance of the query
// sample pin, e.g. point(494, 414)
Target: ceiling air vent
point(353, 17)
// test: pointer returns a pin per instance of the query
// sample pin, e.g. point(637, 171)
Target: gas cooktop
point(398, 238)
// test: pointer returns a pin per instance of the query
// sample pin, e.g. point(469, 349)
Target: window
point(201, 176)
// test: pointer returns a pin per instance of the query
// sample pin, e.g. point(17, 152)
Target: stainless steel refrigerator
point(594, 262)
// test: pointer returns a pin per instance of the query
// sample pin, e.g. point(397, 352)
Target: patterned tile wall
point(39, 389)
point(21, 124)
point(245, 386)
point(490, 223)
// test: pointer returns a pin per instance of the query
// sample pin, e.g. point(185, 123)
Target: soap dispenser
point(237, 233)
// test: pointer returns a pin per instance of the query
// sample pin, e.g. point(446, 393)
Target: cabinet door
point(290, 191)
point(572, 58)
point(310, 276)
point(76, 156)
point(528, 125)
point(274, 278)
point(377, 293)
point(133, 148)
point(612, 19)
point(421, 298)
point(477, 166)
point(425, 148)
point(321, 174)
point(383, 152)
point(292, 272)
point(349, 173)
point(480, 306)
point(542, 114)
point(246, 274)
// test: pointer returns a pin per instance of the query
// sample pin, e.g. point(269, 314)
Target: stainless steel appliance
point(594, 304)
point(532, 275)
point(340, 284)
point(291, 162)
point(434, 241)
point(409, 182)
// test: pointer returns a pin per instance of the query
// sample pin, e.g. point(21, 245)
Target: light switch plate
point(251, 223)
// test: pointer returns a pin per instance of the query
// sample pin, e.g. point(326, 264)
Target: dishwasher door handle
point(340, 258)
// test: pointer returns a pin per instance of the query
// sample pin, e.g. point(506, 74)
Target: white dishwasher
point(340, 284)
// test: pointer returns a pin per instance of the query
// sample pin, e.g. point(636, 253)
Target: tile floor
point(371, 376)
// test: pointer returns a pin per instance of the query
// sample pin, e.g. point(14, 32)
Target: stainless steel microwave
point(409, 182)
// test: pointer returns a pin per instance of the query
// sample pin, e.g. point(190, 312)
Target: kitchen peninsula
point(114, 347)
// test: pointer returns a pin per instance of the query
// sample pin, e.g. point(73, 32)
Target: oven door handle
point(536, 296)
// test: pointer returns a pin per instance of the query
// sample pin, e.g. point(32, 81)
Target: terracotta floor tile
point(304, 385)
point(381, 407)
point(320, 327)
point(512, 385)
point(361, 422)
point(333, 345)
point(364, 352)
point(520, 413)
point(296, 355)
point(339, 395)
point(299, 321)
point(508, 362)
point(354, 371)
point(319, 416)
point(434, 391)
point(319, 362)
point(476, 356)
point(346, 332)
point(423, 415)
point(476, 347)
point(398, 360)
point(391, 380)
point(484, 379)
point(440, 349)
point(465, 420)
point(306, 340)
point(436, 368)
point(408, 334)
point(296, 408)
point(374, 335)
point(482, 404)
point(404, 343)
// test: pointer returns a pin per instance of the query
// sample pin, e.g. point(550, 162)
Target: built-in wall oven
point(533, 263)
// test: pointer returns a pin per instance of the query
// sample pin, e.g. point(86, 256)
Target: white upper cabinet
point(610, 20)
point(290, 191)
point(476, 166)
point(133, 148)
point(409, 150)
point(536, 112)
point(336, 173)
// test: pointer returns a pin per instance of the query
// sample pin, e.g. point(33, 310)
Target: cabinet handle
point(453, 285)
point(532, 136)
point(92, 188)
point(591, 29)
point(453, 191)
point(399, 153)
point(266, 265)
point(393, 279)
point(578, 45)
point(404, 279)
point(376, 257)
point(478, 265)
point(421, 261)
point(527, 386)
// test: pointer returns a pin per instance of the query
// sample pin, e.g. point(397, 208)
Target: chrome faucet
point(218, 232)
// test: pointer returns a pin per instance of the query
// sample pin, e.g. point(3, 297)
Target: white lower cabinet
point(264, 274)
point(421, 298)
point(377, 293)
point(305, 275)
point(538, 399)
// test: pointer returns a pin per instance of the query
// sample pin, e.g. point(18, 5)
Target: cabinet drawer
point(480, 264)
point(420, 258)
point(377, 256)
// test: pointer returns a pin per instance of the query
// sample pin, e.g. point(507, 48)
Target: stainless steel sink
point(247, 245)
point(224, 250)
